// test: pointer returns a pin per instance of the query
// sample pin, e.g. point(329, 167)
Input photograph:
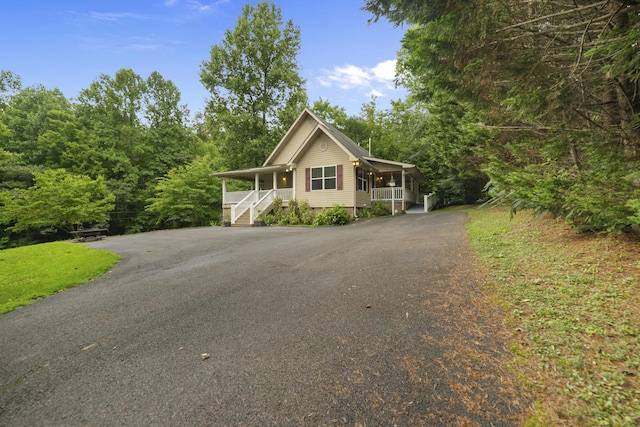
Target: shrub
point(277, 209)
point(365, 213)
point(337, 215)
point(269, 219)
point(298, 213)
point(305, 213)
point(380, 209)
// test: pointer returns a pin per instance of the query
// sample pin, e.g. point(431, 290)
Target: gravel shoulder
point(380, 322)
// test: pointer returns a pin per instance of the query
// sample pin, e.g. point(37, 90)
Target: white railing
point(242, 201)
point(241, 207)
point(235, 196)
point(387, 193)
point(266, 200)
point(429, 201)
point(285, 194)
point(262, 204)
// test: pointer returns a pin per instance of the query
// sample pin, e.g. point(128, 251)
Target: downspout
point(354, 185)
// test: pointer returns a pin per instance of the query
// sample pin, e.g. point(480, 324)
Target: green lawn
point(572, 301)
point(29, 273)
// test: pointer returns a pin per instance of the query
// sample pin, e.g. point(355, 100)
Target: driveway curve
point(380, 322)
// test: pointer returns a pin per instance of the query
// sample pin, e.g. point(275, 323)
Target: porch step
point(243, 221)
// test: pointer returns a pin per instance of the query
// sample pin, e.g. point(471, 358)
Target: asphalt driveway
point(378, 323)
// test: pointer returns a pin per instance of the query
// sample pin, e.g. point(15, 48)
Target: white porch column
point(275, 180)
point(256, 197)
point(404, 188)
point(293, 175)
point(224, 191)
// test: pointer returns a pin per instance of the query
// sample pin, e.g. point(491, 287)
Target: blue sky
point(67, 44)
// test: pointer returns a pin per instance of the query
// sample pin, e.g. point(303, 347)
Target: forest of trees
point(533, 103)
point(545, 94)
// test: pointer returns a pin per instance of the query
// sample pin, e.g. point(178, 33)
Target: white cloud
point(204, 7)
point(144, 46)
point(350, 76)
point(347, 77)
point(385, 71)
point(118, 44)
point(170, 3)
point(114, 17)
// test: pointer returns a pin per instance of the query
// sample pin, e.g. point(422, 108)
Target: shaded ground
point(381, 322)
point(574, 302)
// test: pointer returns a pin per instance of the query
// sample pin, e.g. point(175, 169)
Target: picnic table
point(95, 233)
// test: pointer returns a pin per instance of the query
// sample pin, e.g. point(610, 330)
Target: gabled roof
point(355, 151)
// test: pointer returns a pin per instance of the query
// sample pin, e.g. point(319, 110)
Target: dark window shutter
point(339, 177)
point(307, 179)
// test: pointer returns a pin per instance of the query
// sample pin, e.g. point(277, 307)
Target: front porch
point(244, 207)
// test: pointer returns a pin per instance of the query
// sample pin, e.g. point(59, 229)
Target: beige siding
point(295, 140)
point(363, 199)
point(314, 156)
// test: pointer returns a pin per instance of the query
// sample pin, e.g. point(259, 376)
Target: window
point(363, 180)
point(324, 178)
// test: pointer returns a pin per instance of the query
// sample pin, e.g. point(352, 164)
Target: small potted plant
point(226, 220)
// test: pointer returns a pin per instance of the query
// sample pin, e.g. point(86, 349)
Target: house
point(316, 162)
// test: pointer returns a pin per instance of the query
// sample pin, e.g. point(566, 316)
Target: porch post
point(404, 188)
point(224, 191)
point(257, 184)
point(275, 180)
point(293, 176)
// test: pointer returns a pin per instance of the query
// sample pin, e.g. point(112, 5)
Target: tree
point(26, 118)
point(557, 84)
point(187, 195)
point(256, 89)
point(57, 201)
point(9, 82)
point(170, 141)
point(139, 131)
point(333, 114)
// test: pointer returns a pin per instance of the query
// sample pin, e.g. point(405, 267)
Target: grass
point(29, 273)
point(573, 303)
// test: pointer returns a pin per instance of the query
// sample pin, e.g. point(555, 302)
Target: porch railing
point(387, 193)
point(285, 194)
point(235, 196)
point(254, 201)
point(262, 204)
point(241, 207)
point(266, 199)
point(429, 201)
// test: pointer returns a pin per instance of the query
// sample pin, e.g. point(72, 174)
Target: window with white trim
point(324, 178)
point(363, 180)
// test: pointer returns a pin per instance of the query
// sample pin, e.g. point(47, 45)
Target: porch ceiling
point(389, 166)
point(250, 174)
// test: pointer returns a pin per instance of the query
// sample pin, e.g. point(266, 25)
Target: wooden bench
point(92, 233)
